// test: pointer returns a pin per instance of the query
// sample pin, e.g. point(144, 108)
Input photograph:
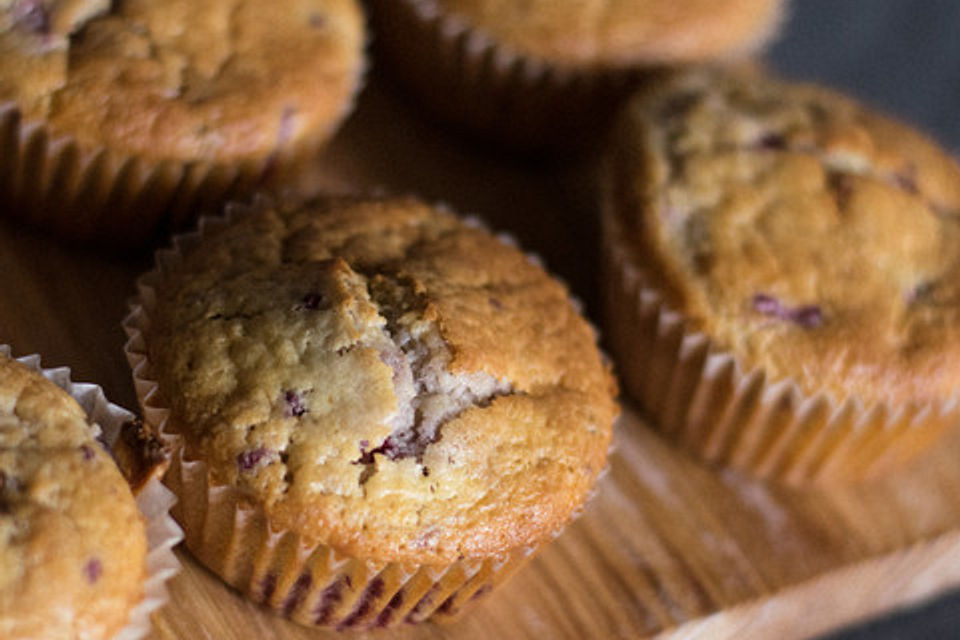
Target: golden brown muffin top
point(384, 378)
point(619, 33)
point(72, 542)
point(806, 234)
point(182, 79)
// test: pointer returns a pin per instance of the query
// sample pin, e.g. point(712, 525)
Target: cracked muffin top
point(383, 378)
point(619, 33)
point(72, 542)
point(809, 236)
point(182, 79)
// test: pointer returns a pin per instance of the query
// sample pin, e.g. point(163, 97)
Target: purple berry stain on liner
point(423, 604)
point(329, 599)
point(482, 591)
point(295, 406)
point(447, 605)
point(807, 316)
point(370, 595)
point(93, 570)
point(267, 586)
point(384, 618)
point(297, 593)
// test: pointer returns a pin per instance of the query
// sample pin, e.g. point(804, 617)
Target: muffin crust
point(182, 79)
point(72, 543)
point(812, 238)
point(383, 379)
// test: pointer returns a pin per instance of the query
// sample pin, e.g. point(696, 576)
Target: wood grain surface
point(666, 546)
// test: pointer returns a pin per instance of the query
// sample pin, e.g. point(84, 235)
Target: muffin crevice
point(429, 395)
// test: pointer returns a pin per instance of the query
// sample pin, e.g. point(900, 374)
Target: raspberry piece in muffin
point(806, 237)
point(337, 366)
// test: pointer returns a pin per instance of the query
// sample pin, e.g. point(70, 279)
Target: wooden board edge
point(826, 602)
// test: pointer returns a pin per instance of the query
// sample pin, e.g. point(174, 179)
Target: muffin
point(781, 289)
point(73, 547)
point(381, 411)
point(546, 74)
point(117, 118)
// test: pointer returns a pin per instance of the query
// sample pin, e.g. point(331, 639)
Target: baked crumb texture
point(72, 543)
point(815, 244)
point(112, 114)
point(409, 402)
point(547, 74)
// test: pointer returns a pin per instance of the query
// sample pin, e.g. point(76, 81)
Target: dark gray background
point(903, 56)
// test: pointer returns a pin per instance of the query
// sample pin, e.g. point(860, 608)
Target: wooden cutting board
point(666, 545)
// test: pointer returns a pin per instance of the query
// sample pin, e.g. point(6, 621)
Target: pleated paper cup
point(494, 92)
point(153, 499)
point(704, 399)
point(300, 578)
point(107, 197)
point(311, 583)
point(96, 194)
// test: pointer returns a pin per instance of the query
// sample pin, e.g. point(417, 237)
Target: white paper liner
point(97, 194)
point(465, 77)
point(702, 398)
point(313, 584)
point(497, 92)
point(280, 569)
point(154, 500)
point(102, 195)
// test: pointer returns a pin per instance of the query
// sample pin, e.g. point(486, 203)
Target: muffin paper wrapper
point(313, 584)
point(705, 400)
point(154, 500)
point(96, 194)
point(463, 75)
